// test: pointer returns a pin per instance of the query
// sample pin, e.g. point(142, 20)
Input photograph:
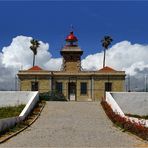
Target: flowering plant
point(125, 123)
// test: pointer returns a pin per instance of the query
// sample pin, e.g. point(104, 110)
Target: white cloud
point(18, 55)
point(122, 56)
point(54, 64)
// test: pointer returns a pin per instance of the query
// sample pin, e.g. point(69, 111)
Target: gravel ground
point(73, 124)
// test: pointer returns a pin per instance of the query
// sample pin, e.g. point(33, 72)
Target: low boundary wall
point(29, 106)
point(117, 109)
point(135, 103)
point(10, 122)
point(14, 98)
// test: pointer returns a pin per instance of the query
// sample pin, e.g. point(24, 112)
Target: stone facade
point(94, 80)
point(72, 81)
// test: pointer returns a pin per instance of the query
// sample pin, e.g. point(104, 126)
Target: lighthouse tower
point(71, 54)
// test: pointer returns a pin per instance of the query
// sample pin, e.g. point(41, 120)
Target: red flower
point(127, 124)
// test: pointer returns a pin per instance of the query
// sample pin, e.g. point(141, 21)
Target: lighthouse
point(71, 54)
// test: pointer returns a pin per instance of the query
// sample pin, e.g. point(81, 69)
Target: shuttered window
point(83, 88)
point(59, 87)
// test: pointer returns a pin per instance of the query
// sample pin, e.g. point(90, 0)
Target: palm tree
point(34, 45)
point(105, 43)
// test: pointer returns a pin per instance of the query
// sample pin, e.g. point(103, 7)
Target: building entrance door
point(72, 91)
point(34, 86)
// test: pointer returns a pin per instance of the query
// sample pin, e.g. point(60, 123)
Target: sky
point(50, 22)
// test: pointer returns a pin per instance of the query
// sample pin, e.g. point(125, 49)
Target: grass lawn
point(6, 112)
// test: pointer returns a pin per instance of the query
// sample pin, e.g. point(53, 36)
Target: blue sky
point(50, 22)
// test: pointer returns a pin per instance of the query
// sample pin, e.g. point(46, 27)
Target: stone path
point(73, 124)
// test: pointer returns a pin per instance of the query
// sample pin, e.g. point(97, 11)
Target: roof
point(107, 69)
point(71, 74)
point(71, 37)
point(35, 68)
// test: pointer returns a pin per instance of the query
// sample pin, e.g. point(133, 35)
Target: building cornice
point(62, 73)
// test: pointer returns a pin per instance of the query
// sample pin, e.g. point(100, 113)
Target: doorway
point(72, 91)
point(34, 86)
point(108, 86)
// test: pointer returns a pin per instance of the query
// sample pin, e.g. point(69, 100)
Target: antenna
point(71, 28)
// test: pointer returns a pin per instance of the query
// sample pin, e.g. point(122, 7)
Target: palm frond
point(106, 41)
point(34, 45)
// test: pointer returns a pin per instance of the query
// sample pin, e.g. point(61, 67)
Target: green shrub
point(137, 116)
point(52, 96)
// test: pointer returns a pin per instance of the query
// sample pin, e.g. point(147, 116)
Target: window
point(83, 88)
point(108, 86)
point(34, 86)
point(59, 87)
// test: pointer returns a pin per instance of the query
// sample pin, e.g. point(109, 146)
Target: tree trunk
point(33, 59)
point(104, 58)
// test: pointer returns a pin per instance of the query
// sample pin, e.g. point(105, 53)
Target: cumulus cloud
point(122, 56)
point(54, 64)
point(19, 53)
point(18, 56)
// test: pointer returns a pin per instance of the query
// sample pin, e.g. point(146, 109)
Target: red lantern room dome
point(71, 40)
point(71, 37)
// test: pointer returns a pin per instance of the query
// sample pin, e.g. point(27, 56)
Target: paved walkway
point(73, 124)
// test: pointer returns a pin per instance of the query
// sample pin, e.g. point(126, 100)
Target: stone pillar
point(92, 88)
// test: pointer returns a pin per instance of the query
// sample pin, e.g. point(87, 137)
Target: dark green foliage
point(52, 96)
point(106, 41)
point(34, 45)
point(7, 112)
point(137, 116)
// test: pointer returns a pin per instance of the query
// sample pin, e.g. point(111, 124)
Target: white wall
point(111, 99)
point(13, 98)
point(8, 123)
point(115, 107)
point(30, 105)
point(132, 102)
point(28, 98)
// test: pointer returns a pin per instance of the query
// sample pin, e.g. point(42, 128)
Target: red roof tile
point(107, 69)
point(35, 68)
